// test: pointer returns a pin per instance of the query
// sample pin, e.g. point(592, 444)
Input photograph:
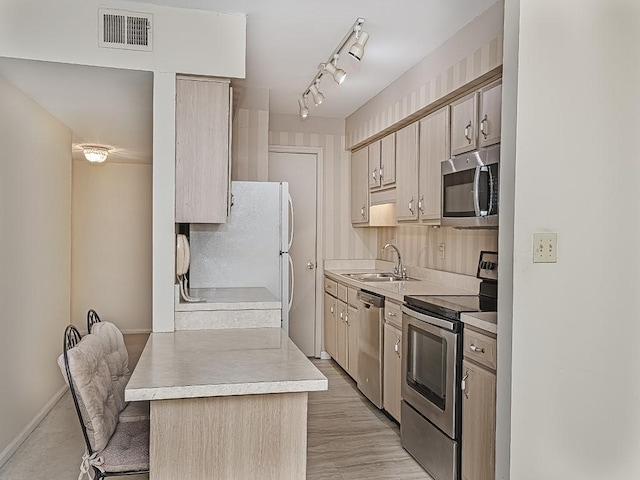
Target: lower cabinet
point(341, 326)
point(330, 324)
point(478, 420)
point(392, 374)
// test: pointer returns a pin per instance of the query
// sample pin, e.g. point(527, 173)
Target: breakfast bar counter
point(225, 403)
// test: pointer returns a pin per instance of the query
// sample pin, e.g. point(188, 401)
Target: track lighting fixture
point(357, 49)
point(317, 96)
point(304, 111)
point(331, 65)
point(331, 68)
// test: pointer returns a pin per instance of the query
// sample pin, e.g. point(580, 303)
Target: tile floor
point(348, 438)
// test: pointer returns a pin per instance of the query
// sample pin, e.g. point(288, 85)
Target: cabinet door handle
point(420, 202)
point(332, 311)
point(346, 318)
point(362, 212)
point(476, 349)
point(381, 174)
point(411, 206)
point(392, 314)
point(396, 347)
point(466, 132)
point(342, 315)
point(464, 384)
point(485, 121)
point(374, 175)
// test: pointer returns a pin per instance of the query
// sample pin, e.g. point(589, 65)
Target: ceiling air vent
point(125, 30)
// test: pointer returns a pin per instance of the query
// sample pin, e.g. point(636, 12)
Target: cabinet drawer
point(331, 286)
point(342, 292)
point(352, 297)
point(481, 348)
point(393, 314)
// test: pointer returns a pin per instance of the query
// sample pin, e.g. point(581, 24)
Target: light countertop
point(253, 298)
point(487, 321)
point(207, 363)
point(397, 290)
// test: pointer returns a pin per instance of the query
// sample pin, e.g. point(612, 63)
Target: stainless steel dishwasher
point(370, 340)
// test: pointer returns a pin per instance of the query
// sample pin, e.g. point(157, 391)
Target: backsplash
point(420, 246)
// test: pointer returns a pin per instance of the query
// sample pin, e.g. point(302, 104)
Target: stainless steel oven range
point(431, 371)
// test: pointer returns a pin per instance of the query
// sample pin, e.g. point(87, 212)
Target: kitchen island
point(225, 403)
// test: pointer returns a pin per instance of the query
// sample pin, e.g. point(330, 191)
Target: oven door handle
point(438, 322)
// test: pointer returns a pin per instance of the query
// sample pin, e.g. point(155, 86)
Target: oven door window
point(427, 365)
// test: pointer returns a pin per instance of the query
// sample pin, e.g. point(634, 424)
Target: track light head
point(304, 111)
point(317, 96)
point(357, 49)
point(337, 73)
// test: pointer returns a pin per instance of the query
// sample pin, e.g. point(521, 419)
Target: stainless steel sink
point(378, 277)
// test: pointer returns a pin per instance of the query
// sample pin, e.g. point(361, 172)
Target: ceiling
point(286, 40)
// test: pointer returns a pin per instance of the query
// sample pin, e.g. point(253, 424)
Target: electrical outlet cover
point(545, 247)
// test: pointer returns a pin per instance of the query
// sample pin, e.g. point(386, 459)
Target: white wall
point(35, 258)
point(111, 240)
point(576, 323)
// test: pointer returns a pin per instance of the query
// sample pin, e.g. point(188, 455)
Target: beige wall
point(472, 52)
point(111, 238)
point(35, 258)
point(419, 246)
point(67, 33)
point(576, 323)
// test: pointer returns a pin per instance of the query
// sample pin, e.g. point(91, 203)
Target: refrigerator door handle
point(292, 282)
point(290, 202)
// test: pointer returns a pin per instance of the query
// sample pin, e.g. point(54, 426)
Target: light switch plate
point(545, 247)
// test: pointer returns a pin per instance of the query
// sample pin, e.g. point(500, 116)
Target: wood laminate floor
point(348, 438)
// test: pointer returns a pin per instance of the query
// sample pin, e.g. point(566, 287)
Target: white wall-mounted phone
point(183, 258)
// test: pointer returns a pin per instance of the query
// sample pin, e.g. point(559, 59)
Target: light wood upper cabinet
point(478, 422)
point(407, 172)
point(464, 124)
point(203, 166)
point(330, 325)
point(382, 162)
point(392, 374)
point(490, 114)
point(434, 149)
point(374, 164)
point(360, 187)
point(388, 160)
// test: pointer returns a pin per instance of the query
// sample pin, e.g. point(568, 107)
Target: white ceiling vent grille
point(125, 30)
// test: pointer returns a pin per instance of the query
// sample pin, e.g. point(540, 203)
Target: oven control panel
point(488, 266)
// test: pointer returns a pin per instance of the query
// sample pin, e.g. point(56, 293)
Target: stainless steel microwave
point(470, 189)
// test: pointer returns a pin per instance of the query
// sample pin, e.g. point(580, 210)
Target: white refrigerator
point(252, 248)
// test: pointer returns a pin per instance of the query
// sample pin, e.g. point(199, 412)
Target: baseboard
point(135, 331)
point(6, 454)
point(324, 355)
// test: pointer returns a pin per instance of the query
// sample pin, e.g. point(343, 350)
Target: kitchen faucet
point(398, 270)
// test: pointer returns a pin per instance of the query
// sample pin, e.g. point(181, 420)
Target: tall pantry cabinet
point(203, 140)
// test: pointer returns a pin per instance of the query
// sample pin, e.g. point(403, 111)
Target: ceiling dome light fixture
point(356, 50)
point(304, 111)
point(317, 96)
point(95, 153)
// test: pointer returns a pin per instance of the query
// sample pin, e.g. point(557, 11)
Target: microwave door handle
point(476, 193)
point(491, 188)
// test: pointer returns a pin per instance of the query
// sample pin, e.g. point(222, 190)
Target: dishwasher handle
point(370, 299)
